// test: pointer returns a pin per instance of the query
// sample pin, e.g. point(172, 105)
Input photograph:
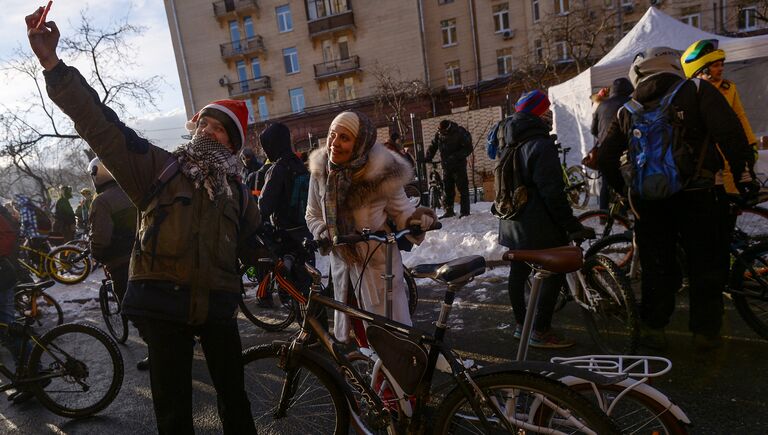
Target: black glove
point(584, 233)
point(748, 189)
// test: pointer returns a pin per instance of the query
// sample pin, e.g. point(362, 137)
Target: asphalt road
point(720, 391)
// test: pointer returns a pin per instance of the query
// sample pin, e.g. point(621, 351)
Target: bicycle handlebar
point(382, 236)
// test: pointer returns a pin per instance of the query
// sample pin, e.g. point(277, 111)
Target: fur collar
point(384, 174)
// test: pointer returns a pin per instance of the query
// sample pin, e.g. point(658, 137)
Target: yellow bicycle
point(64, 264)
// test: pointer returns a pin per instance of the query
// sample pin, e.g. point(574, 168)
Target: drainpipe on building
point(420, 7)
point(475, 49)
point(723, 12)
point(183, 59)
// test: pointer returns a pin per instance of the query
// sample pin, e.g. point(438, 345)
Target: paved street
point(719, 391)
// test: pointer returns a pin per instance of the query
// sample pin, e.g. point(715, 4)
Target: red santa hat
point(233, 114)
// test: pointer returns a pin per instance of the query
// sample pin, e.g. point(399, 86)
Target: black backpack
point(511, 192)
point(299, 195)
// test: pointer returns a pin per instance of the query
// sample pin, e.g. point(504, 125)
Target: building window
point(284, 20)
point(297, 99)
point(248, 26)
point(449, 32)
point(343, 48)
point(242, 76)
point(748, 18)
point(234, 36)
point(627, 27)
point(504, 61)
point(349, 88)
point(561, 7)
point(629, 3)
point(256, 67)
point(251, 111)
point(535, 10)
point(263, 109)
point(452, 74)
point(692, 20)
point(561, 51)
point(538, 51)
point(333, 92)
point(501, 17)
point(291, 60)
point(442, 2)
point(323, 8)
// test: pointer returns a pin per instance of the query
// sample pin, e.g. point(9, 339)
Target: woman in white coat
point(357, 183)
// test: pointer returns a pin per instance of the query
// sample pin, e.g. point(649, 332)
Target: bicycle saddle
point(31, 285)
point(563, 259)
point(460, 269)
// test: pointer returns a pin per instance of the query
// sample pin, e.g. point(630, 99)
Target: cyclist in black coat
point(691, 217)
point(455, 145)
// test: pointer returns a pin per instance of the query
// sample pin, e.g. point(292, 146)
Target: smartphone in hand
point(45, 14)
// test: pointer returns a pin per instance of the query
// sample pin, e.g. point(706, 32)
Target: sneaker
point(518, 332)
point(447, 214)
point(704, 342)
point(653, 338)
point(548, 340)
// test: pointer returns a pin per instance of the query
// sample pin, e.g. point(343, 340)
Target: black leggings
point(518, 276)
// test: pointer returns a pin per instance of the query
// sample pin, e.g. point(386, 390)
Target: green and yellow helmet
point(700, 55)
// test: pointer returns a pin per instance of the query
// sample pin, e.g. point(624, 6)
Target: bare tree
point(760, 8)
point(393, 94)
point(35, 137)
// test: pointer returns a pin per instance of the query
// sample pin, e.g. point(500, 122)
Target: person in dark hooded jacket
point(691, 217)
point(547, 219)
point(454, 144)
point(620, 93)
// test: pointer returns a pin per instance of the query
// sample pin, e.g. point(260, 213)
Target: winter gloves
point(424, 217)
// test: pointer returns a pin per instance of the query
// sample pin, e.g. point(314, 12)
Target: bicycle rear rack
point(633, 365)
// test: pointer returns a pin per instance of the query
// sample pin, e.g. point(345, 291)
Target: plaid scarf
point(208, 164)
point(338, 217)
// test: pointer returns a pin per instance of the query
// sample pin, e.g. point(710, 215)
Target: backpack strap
point(169, 171)
point(633, 107)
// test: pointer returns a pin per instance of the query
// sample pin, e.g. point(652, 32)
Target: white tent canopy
point(746, 63)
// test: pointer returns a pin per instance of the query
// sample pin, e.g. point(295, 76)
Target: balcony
point(337, 68)
point(331, 23)
point(246, 88)
point(251, 46)
point(234, 8)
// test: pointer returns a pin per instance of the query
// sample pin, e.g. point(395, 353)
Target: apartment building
point(303, 61)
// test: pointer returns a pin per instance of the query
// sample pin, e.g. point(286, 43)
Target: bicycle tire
point(75, 372)
point(753, 222)
point(282, 312)
point(456, 411)
point(620, 337)
point(264, 381)
point(47, 308)
point(577, 189)
point(627, 411)
point(412, 290)
point(63, 270)
point(604, 222)
point(617, 247)
point(111, 311)
point(749, 295)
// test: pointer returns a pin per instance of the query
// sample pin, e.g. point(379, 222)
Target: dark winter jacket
point(706, 115)
point(274, 202)
point(184, 266)
point(63, 213)
point(547, 217)
point(455, 146)
point(621, 91)
point(111, 226)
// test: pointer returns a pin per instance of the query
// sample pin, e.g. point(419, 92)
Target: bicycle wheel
point(48, 312)
point(275, 311)
point(635, 412)
point(750, 288)
point(68, 265)
point(578, 188)
point(617, 247)
point(435, 200)
point(412, 290)
point(754, 223)
point(611, 315)
point(531, 403)
point(317, 404)
point(111, 310)
point(85, 369)
point(604, 223)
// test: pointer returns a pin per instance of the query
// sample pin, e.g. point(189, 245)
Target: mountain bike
point(34, 303)
point(111, 310)
point(75, 370)
point(310, 385)
point(65, 264)
point(633, 404)
point(576, 186)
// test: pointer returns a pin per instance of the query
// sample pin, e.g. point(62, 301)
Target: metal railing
point(337, 67)
point(225, 7)
point(242, 47)
point(250, 86)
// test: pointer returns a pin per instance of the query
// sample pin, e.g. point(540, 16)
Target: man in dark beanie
point(455, 144)
point(194, 219)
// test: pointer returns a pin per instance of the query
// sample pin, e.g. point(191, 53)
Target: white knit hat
point(348, 120)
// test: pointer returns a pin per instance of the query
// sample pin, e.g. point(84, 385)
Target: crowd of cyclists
point(172, 228)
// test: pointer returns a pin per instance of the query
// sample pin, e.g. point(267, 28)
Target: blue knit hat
point(534, 102)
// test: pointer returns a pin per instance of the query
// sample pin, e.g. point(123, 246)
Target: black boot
point(447, 214)
point(143, 365)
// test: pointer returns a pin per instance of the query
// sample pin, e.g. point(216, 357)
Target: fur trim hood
point(384, 174)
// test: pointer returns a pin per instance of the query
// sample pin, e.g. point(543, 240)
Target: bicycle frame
point(19, 377)
point(39, 270)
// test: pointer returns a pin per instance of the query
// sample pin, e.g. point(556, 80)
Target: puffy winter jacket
point(455, 146)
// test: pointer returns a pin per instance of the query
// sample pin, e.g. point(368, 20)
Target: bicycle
point(576, 186)
point(65, 264)
point(309, 385)
point(74, 370)
point(34, 303)
point(435, 187)
point(111, 310)
point(629, 401)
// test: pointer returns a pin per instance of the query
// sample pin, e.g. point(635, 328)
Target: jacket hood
point(276, 141)
point(621, 87)
point(522, 126)
point(656, 87)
